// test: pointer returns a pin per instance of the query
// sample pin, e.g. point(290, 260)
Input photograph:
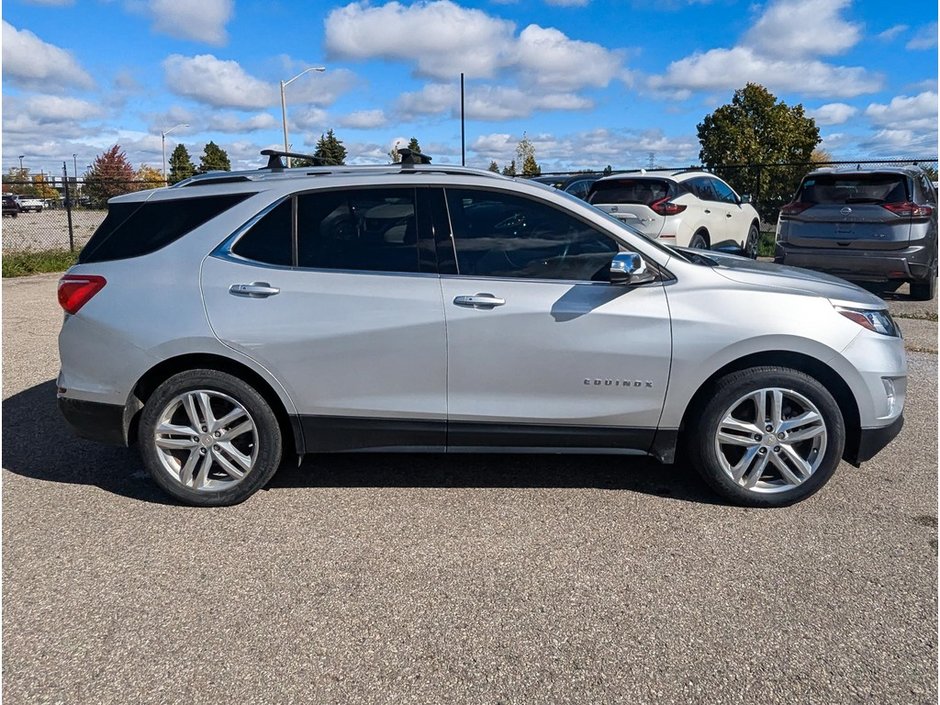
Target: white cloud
point(364, 120)
point(317, 88)
point(222, 84)
point(32, 62)
point(201, 20)
point(925, 38)
point(892, 32)
point(730, 69)
point(550, 58)
point(803, 28)
point(917, 112)
point(832, 113)
point(232, 123)
point(441, 37)
point(486, 102)
point(49, 108)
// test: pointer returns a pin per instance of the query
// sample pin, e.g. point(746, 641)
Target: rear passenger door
point(334, 293)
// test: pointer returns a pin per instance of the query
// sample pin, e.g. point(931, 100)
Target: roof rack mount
point(410, 158)
point(274, 158)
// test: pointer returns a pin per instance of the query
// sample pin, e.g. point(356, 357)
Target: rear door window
point(854, 188)
point(141, 227)
point(640, 191)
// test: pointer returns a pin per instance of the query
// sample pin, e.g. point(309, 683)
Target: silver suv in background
point(872, 225)
point(239, 317)
point(688, 208)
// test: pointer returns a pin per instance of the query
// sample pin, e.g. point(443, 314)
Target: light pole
point(21, 161)
point(163, 145)
point(284, 84)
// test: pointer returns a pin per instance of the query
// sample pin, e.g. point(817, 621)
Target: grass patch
point(767, 243)
point(21, 264)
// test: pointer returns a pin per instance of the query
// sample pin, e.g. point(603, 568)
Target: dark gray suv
point(873, 225)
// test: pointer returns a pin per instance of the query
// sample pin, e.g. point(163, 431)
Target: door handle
point(255, 290)
point(727, 215)
point(707, 211)
point(479, 301)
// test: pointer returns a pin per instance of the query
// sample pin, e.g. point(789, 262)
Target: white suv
point(685, 208)
point(234, 318)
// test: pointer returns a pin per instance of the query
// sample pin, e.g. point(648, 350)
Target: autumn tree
point(17, 181)
point(525, 153)
point(148, 177)
point(330, 150)
point(739, 140)
point(181, 165)
point(214, 158)
point(110, 175)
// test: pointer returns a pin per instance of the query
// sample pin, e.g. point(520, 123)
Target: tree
point(181, 165)
point(18, 181)
point(109, 176)
point(148, 177)
point(42, 188)
point(608, 170)
point(414, 146)
point(757, 129)
point(214, 158)
point(510, 169)
point(494, 167)
point(330, 150)
point(394, 154)
point(525, 152)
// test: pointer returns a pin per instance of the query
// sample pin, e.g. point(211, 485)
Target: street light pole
point(21, 161)
point(284, 85)
point(163, 145)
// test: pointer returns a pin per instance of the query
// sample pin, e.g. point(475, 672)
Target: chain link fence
point(72, 209)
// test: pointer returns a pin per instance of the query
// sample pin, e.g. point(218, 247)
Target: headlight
point(875, 321)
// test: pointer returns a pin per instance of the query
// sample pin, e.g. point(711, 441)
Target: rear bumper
point(95, 421)
point(872, 441)
point(909, 264)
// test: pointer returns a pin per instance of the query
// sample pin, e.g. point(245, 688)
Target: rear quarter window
point(643, 191)
point(142, 227)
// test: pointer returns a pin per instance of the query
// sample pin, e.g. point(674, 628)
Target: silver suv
point(235, 318)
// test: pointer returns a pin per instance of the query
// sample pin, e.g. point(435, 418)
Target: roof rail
point(274, 158)
point(410, 158)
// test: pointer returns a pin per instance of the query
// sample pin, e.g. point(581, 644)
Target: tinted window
point(580, 188)
point(854, 188)
point(724, 191)
point(703, 188)
point(139, 228)
point(498, 234)
point(369, 229)
point(269, 240)
point(643, 191)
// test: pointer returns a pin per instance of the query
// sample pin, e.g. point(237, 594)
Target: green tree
point(181, 165)
point(608, 170)
point(111, 175)
point(510, 169)
point(525, 153)
point(494, 167)
point(330, 150)
point(18, 181)
point(414, 146)
point(214, 158)
point(757, 129)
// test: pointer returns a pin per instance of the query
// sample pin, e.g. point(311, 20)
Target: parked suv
point(576, 184)
point(874, 225)
point(10, 206)
point(234, 318)
point(27, 204)
point(688, 208)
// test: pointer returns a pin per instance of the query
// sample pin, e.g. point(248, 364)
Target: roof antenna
point(410, 158)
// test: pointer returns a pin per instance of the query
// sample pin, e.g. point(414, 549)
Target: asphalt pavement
point(468, 579)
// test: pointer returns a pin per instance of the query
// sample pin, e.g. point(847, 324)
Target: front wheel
point(768, 437)
point(209, 439)
point(752, 243)
point(698, 242)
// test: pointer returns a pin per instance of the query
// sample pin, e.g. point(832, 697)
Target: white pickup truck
point(30, 204)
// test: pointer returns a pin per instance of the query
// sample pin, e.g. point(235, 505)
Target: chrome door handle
point(255, 290)
point(479, 301)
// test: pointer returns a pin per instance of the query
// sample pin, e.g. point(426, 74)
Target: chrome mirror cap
point(629, 268)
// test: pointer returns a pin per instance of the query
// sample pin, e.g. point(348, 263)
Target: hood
point(794, 279)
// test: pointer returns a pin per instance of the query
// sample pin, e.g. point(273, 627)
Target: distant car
point(872, 225)
point(31, 204)
point(10, 206)
point(576, 184)
point(689, 208)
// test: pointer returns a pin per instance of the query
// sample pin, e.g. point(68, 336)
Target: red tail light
point(793, 208)
point(76, 290)
point(665, 207)
point(908, 209)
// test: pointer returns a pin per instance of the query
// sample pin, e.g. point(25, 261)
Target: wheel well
point(819, 371)
point(154, 377)
point(704, 233)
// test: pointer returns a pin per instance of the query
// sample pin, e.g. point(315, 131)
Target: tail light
point(76, 290)
point(907, 209)
point(793, 208)
point(665, 207)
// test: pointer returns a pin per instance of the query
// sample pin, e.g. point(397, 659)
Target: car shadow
point(38, 444)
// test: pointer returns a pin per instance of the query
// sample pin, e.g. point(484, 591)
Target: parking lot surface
point(459, 579)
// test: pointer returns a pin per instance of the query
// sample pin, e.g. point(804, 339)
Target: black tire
point(713, 459)
point(261, 445)
point(698, 242)
point(925, 289)
point(752, 243)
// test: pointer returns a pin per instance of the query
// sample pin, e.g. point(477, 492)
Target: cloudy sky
point(591, 82)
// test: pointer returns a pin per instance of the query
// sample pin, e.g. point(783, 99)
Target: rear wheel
point(209, 439)
point(752, 242)
point(925, 289)
point(698, 242)
point(768, 437)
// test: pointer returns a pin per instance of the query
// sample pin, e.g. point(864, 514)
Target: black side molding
point(105, 423)
point(871, 441)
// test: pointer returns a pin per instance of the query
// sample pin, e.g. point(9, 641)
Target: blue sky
point(590, 82)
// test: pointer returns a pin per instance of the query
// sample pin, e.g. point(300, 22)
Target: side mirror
point(745, 198)
point(628, 268)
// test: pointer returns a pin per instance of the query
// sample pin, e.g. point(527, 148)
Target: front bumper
point(911, 263)
point(872, 441)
